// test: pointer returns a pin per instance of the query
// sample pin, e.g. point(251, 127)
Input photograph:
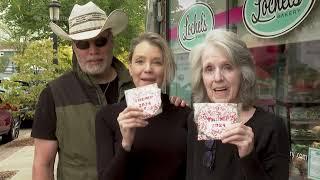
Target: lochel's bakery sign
point(194, 24)
point(273, 18)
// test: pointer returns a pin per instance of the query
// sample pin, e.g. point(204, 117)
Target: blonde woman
point(130, 147)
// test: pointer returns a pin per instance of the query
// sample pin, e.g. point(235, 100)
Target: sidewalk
point(20, 161)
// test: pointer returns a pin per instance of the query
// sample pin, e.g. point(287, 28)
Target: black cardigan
point(268, 161)
point(158, 151)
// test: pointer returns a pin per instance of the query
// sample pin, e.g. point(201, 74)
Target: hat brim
point(117, 21)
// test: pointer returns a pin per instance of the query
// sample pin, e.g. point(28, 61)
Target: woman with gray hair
point(255, 148)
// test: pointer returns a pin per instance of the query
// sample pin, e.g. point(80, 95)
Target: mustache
point(94, 58)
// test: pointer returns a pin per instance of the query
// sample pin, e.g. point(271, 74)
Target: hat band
point(87, 29)
point(85, 18)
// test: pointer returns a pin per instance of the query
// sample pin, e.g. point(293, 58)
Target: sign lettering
point(273, 18)
point(194, 24)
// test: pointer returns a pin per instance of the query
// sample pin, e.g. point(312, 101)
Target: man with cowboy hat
point(65, 114)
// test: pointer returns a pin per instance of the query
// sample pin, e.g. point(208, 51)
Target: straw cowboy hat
point(88, 21)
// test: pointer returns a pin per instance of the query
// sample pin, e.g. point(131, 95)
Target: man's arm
point(44, 158)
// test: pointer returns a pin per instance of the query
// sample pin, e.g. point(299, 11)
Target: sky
point(3, 34)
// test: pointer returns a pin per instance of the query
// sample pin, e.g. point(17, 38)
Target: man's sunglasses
point(210, 154)
point(99, 42)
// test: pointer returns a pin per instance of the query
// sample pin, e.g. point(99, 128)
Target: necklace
point(105, 90)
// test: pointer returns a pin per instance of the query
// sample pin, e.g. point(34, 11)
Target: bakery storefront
point(284, 38)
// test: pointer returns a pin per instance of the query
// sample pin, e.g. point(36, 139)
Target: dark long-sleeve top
point(158, 151)
point(268, 161)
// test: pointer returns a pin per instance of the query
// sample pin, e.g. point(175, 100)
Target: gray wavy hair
point(239, 55)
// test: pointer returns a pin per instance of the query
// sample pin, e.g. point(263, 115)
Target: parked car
point(18, 92)
point(9, 126)
point(26, 108)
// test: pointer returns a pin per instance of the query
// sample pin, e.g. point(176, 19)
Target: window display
point(287, 69)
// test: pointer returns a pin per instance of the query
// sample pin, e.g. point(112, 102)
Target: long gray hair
point(239, 55)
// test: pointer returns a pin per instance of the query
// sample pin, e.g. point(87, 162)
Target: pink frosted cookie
point(148, 98)
point(213, 118)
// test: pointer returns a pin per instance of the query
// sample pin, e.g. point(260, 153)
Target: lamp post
point(54, 11)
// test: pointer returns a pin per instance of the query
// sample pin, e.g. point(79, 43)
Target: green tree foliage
point(27, 22)
point(3, 63)
point(36, 68)
point(29, 19)
point(5, 33)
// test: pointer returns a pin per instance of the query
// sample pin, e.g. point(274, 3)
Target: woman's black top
point(268, 161)
point(158, 151)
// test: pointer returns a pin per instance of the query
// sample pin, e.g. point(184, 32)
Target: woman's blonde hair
point(156, 40)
